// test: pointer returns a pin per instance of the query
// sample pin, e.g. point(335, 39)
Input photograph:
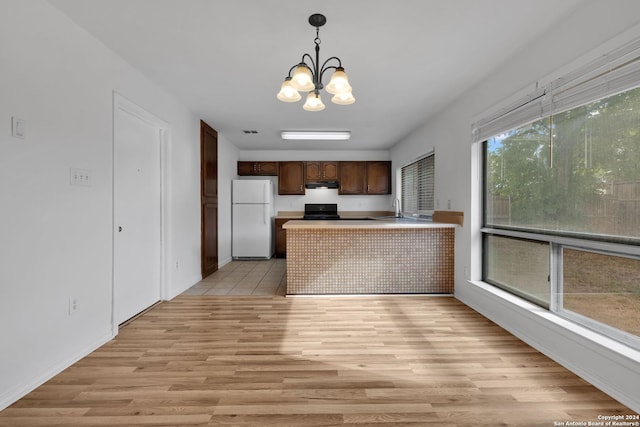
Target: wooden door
point(379, 177)
point(209, 198)
point(352, 178)
point(291, 178)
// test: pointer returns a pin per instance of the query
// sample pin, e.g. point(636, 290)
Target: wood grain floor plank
point(273, 361)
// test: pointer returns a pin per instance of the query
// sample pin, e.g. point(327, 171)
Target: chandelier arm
point(313, 64)
point(325, 68)
point(324, 64)
point(291, 69)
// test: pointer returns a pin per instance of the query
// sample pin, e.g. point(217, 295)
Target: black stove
point(321, 211)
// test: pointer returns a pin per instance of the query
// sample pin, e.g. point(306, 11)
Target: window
point(561, 196)
point(417, 181)
point(577, 172)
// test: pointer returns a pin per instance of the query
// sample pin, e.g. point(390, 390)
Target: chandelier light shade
point(313, 102)
point(288, 93)
point(306, 76)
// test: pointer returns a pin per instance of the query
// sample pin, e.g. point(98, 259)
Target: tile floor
point(260, 277)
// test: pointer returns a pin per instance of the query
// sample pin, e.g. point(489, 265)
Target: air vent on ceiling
point(250, 132)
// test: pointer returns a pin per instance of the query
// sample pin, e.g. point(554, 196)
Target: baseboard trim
point(13, 395)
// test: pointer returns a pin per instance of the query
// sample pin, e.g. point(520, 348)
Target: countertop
point(378, 224)
point(440, 218)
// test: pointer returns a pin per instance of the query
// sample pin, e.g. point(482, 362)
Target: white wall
point(227, 171)
point(56, 239)
point(345, 203)
point(580, 37)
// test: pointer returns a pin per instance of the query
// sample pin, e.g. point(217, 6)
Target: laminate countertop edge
point(380, 224)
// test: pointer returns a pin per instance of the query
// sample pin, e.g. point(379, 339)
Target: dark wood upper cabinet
point(258, 168)
point(378, 177)
point(321, 171)
point(291, 178)
point(352, 178)
point(372, 177)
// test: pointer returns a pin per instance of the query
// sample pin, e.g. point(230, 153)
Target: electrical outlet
point(18, 128)
point(177, 265)
point(73, 305)
point(449, 204)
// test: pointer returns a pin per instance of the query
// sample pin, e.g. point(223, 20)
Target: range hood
point(321, 184)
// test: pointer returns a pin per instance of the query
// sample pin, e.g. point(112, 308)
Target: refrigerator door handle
point(266, 193)
point(265, 213)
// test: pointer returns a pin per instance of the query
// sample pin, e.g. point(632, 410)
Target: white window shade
point(615, 72)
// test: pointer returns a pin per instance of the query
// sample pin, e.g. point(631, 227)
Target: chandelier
point(308, 77)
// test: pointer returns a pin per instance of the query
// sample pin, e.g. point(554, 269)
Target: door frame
point(164, 135)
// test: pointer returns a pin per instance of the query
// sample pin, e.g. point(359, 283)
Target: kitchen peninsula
point(369, 257)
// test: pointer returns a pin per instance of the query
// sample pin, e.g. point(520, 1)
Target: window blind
point(615, 72)
point(417, 185)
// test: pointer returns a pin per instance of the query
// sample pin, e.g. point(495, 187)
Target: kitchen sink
point(401, 218)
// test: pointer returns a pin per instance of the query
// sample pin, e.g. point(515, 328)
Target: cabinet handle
point(300, 187)
point(368, 188)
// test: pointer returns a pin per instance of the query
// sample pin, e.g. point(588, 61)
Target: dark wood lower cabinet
point(281, 238)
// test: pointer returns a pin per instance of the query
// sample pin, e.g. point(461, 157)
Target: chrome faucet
point(396, 207)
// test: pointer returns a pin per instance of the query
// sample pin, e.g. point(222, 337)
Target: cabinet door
point(267, 168)
point(321, 171)
point(329, 171)
point(281, 239)
point(246, 168)
point(378, 177)
point(312, 171)
point(291, 178)
point(352, 178)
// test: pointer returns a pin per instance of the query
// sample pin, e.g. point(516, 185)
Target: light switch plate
point(80, 177)
point(18, 127)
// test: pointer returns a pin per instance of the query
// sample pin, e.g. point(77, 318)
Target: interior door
point(137, 215)
point(209, 198)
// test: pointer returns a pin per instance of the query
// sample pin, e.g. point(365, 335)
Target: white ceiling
point(406, 59)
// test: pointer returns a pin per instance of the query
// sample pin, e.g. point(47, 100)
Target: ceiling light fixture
point(308, 78)
point(316, 135)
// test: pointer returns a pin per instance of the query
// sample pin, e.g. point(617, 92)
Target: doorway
point(138, 200)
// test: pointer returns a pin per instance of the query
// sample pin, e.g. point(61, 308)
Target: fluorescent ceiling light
point(315, 135)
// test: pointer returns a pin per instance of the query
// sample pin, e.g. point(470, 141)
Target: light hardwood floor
point(275, 361)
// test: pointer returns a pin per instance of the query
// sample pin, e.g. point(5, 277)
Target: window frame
point(557, 243)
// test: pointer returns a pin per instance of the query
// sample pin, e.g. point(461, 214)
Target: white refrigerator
point(252, 219)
